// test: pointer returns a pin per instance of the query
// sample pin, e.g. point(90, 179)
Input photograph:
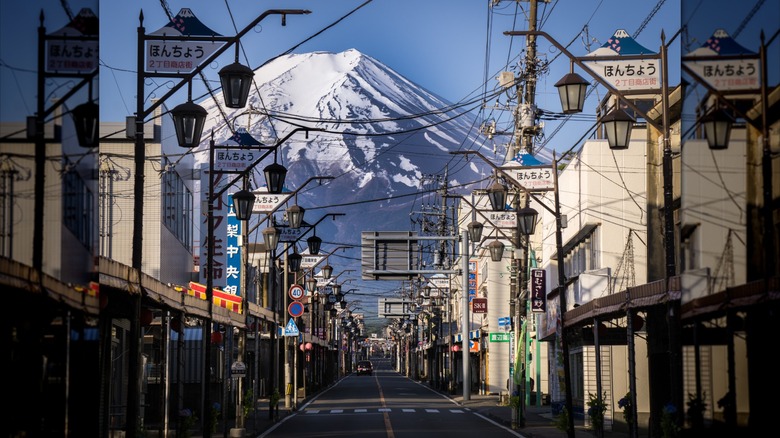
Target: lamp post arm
point(509, 178)
point(582, 65)
point(270, 149)
point(230, 41)
point(333, 215)
point(474, 208)
point(326, 256)
point(295, 192)
point(61, 101)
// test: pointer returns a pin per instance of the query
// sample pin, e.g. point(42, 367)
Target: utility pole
point(526, 130)
point(525, 115)
point(434, 220)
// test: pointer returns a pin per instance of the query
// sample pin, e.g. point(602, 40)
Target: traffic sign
point(291, 329)
point(238, 369)
point(295, 309)
point(296, 292)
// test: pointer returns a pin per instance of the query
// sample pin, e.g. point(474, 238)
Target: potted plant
point(187, 420)
point(273, 401)
point(562, 420)
point(628, 409)
point(669, 426)
point(597, 406)
point(696, 408)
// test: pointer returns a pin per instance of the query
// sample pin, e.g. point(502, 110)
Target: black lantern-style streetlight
point(236, 80)
point(497, 196)
point(314, 244)
point(294, 261)
point(188, 120)
point(311, 284)
point(295, 216)
point(717, 129)
point(617, 125)
point(271, 237)
point(243, 201)
point(327, 271)
point(336, 288)
point(274, 177)
point(571, 89)
point(526, 220)
point(85, 120)
point(475, 231)
point(496, 249)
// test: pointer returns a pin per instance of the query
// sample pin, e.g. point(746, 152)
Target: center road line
point(388, 426)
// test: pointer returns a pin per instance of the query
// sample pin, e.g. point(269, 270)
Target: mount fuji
point(376, 133)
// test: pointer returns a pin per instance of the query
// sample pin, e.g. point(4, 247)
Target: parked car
point(365, 367)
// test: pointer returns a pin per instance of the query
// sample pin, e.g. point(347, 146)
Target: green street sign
point(500, 337)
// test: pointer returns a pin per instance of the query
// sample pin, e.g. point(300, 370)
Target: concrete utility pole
point(434, 220)
point(525, 115)
point(526, 130)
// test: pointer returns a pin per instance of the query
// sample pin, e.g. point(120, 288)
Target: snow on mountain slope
point(379, 135)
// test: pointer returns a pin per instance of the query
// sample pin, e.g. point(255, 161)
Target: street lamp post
point(621, 130)
point(243, 201)
point(528, 218)
point(717, 128)
point(188, 129)
point(526, 221)
point(292, 264)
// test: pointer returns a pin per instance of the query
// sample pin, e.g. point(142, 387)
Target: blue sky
point(454, 48)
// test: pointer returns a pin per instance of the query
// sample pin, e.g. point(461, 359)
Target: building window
point(78, 208)
point(689, 247)
point(177, 208)
point(581, 254)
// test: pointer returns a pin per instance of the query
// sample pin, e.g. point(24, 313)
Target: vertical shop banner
point(538, 290)
point(473, 277)
point(220, 209)
point(233, 251)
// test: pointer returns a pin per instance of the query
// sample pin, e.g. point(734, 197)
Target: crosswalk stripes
point(382, 410)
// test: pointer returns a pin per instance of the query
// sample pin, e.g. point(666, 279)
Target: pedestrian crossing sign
point(291, 329)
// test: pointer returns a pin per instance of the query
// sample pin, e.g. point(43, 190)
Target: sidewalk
point(539, 421)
